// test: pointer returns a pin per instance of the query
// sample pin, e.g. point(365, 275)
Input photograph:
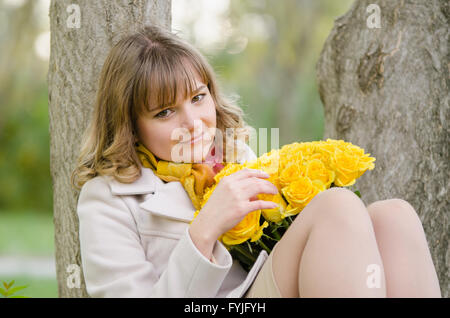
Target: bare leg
point(408, 265)
point(327, 250)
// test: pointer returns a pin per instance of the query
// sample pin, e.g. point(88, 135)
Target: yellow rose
point(276, 214)
point(326, 148)
point(323, 154)
point(248, 228)
point(290, 173)
point(268, 162)
point(290, 154)
point(349, 162)
point(228, 169)
point(337, 143)
point(346, 168)
point(289, 148)
point(299, 192)
point(365, 161)
point(316, 170)
point(307, 149)
point(291, 210)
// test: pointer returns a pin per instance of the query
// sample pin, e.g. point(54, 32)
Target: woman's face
point(167, 132)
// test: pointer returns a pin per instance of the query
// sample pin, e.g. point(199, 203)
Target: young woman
point(136, 235)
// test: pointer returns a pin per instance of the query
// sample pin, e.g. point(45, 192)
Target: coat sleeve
point(114, 261)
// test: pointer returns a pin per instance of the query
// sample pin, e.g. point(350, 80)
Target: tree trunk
point(81, 37)
point(387, 90)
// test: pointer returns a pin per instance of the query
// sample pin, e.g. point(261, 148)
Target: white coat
point(135, 242)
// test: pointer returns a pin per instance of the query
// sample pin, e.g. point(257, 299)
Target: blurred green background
point(263, 51)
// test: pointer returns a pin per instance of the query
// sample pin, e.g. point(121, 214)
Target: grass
point(37, 287)
point(28, 233)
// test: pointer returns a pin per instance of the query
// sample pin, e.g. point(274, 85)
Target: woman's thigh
point(323, 207)
point(286, 256)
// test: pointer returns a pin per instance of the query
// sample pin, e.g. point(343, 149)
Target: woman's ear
point(134, 133)
point(135, 138)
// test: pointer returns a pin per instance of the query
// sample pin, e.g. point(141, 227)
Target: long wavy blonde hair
point(144, 69)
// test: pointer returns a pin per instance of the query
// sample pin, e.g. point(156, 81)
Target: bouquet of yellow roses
point(299, 171)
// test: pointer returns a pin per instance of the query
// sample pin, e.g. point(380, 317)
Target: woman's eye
point(199, 95)
point(159, 114)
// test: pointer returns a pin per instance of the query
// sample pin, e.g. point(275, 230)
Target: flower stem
point(264, 246)
point(245, 253)
point(270, 238)
point(276, 235)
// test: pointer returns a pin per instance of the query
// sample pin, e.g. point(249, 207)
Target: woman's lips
point(194, 140)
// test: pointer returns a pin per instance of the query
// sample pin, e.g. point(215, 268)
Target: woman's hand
point(233, 198)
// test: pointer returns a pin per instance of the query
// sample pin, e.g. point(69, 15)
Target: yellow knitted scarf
point(195, 177)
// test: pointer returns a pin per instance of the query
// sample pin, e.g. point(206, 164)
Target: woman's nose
point(194, 128)
point(191, 121)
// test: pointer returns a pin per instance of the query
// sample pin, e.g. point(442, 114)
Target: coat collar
point(168, 200)
point(144, 185)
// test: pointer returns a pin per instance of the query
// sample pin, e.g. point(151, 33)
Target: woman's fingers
point(247, 173)
point(254, 186)
point(236, 196)
point(261, 205)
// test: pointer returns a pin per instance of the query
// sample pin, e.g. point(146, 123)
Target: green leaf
point(3, 292)
point(16, 289)
point(269, 238)
point(249, 247)
point(7, 294)
point(358, 193)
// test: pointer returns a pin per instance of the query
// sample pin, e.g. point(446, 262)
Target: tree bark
point(78, 49)
point(387, 90)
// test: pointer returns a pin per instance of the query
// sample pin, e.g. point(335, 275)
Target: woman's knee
point(340, 205)
point(393, 211)
point(396, 217)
